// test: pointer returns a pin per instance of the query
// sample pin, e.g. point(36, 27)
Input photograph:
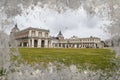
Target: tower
point(60, 36)
point(15, 29)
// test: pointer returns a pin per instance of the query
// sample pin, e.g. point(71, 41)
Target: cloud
point(70, 22)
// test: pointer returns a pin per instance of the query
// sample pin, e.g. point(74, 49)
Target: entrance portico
point(40, 43)
point(40, 38)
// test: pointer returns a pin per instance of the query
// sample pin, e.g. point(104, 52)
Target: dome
point(60, 36)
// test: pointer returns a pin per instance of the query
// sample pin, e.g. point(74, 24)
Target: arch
point(43, 43)
point(35, 43)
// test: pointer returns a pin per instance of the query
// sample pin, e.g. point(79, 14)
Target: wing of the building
point(36, 37)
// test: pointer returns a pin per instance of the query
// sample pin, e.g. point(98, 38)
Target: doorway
point(35, 43)
point(43, 43)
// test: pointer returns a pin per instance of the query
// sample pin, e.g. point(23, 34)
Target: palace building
point(36, 37)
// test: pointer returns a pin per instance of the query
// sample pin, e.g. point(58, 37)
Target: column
point(92, 45)
point(29, 33)
point(36, 33)
point(95, 45)
point(89, 45)
point(32, 42)
point(57, 45)
point(39, 42)
point(29, 43)
point(43, 34)
point(82, 45)
point(61, 45)
point(46, 43)
point(53, 45)
point(65, 45)
point(22, 44)
point(75, 45)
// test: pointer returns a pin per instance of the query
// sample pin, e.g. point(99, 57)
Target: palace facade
point(36, 37)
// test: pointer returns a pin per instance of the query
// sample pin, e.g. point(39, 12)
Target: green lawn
point(94, 58)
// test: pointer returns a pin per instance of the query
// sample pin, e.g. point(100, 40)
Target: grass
point(95, 58)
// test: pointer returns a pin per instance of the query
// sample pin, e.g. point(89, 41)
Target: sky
point(70, 22)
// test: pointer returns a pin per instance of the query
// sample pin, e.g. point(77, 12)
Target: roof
point(31, 28)
point(38, 29)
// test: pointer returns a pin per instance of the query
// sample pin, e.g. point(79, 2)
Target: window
point(46, 34)
point(33, 33)
point(40, 34)
point(55, 45)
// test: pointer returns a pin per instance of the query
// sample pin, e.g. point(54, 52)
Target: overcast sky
point(70, 22)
